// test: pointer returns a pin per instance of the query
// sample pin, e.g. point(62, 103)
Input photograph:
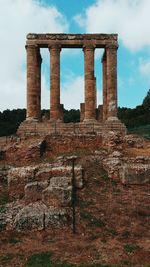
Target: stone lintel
point(112, 46)
point(62, 36)
point(72, 40)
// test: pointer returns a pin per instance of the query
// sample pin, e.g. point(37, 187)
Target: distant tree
point(131, 117)
point(72, 115)
point(146, 101)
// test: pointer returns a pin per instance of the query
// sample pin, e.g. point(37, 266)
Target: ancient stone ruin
point(35, 167)
point(103, 117)
point(90, 178)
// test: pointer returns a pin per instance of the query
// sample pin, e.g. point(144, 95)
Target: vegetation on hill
point(136, 119)
point(10, 120)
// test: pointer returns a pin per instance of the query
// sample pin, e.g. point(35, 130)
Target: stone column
point(55, 83)
point(33, 83)
point(111, 67)
point(89, 83)
point(39, 61)
point(95, 92)
point(104, 70)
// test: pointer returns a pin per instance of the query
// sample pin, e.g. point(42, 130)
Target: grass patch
point(86, 215)
point(6, 259)
point(143, 131)
point(143, 213)
point(84, 204)
point(93, 221)
point(4, 198)
point(112, 231)
point(39, 260)
point(130, 248)
point(96, 265)
point(94, 236)
point(125, 234)
point(97, 222)
point(13, 239)
point(125, 263)
point(104, 176)
point(2, 209)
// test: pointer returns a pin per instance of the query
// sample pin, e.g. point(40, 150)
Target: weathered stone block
point(112, 165)
point(33, 191)
point(37, 217)
point(55, 217)
point(135, 173)
point(18, 178)
point(58, 193)
point(30, 218)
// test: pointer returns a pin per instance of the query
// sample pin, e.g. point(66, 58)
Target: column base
point(89, 121)
point(114, 124)
point(32, 119)
point(111, 119)
point(56, 120)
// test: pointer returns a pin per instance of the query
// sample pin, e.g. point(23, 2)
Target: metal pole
point(72, 159)
point(74, 127)
point(73, 198)
point(55, 127)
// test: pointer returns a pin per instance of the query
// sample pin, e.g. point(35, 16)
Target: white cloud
point(45, 94)
point(144, 66)
point(128, 18)
point(72, 92)
point(17, 18)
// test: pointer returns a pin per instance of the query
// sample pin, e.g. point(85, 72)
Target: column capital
point(88, 47)
point(54, 47)
point(112, 46)
point(31, 46)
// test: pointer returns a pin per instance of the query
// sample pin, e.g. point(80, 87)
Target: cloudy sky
point(129, 18)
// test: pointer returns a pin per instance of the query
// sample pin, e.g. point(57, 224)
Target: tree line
point(131, 117)
point(11, 119)
point(138, 116)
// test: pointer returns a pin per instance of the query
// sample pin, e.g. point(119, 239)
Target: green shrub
point(130, 248)
point(39, 260)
